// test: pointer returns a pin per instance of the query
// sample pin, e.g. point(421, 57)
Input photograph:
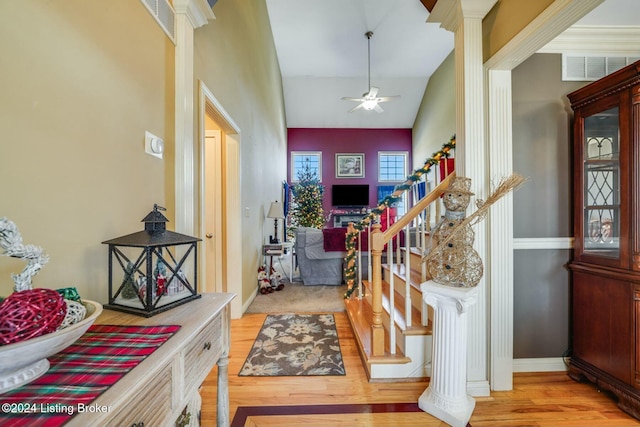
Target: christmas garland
point(350, 241)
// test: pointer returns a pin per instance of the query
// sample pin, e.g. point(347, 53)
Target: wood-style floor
point(540, 399)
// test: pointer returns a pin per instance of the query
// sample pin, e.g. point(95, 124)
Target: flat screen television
point(350, 195)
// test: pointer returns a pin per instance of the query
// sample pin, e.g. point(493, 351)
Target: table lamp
point(275, 211)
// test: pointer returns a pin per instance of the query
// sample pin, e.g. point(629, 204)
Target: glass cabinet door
point(602, 184)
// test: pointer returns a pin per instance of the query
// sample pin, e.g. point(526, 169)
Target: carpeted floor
point(297, 298)
point(295, 345)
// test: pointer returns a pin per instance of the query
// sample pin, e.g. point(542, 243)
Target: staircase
point(390, 320)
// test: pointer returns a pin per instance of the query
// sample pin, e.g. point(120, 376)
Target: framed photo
point(349, 165)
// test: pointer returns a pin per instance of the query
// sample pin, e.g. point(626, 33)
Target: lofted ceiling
point(322, 52)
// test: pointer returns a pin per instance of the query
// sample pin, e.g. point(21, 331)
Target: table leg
point(223, 390)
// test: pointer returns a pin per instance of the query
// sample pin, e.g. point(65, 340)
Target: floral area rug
point(295, 345)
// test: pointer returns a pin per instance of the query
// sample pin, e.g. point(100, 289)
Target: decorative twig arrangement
point(505, 186)
point(11, 243)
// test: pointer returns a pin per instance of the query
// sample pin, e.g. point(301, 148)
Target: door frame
point(229, 232)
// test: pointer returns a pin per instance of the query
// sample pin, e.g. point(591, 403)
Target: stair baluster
point(407, 276)
point(392, 300)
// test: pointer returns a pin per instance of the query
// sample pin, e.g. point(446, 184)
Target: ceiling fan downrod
point(368, 35)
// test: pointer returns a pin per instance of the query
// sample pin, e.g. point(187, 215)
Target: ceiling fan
point(370, 100)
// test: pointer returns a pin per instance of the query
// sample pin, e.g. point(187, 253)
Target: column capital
point(451, 13)
point(198, 11)
point(437, 295)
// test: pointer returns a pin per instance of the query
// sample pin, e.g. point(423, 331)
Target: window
point(301, 159)
point(392, 166)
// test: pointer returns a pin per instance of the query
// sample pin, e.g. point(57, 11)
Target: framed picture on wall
point(349, 165)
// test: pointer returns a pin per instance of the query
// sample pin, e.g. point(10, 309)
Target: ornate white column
point(464, 18)
point(446, 397)
point(501, 225)
point(190, 14)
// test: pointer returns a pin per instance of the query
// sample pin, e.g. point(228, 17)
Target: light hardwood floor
point(541, 399)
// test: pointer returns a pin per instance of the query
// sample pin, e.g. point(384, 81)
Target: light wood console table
point(157, 391)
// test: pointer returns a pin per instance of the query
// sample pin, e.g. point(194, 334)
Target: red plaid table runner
point(80, 373)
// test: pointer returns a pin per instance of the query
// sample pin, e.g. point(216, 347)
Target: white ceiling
point(322, 52)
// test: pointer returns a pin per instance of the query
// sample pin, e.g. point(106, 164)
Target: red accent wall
point(332, 141)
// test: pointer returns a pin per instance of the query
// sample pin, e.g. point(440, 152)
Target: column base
point(455, 413)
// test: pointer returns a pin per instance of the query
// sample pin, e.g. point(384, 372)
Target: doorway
point(220, 200)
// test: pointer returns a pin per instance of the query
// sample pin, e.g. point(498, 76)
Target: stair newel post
point(377, 330)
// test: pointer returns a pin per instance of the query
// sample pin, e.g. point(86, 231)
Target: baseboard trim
point(246, 305)
point(478, 388)
point(542, 364)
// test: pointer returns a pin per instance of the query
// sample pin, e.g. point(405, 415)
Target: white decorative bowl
point(23, 362)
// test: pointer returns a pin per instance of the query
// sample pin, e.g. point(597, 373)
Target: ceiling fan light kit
point(369, 100)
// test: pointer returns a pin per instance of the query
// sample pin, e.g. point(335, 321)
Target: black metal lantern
point(153, 270)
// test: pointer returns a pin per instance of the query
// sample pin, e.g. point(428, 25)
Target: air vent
point(164, 15)
point(591, 68)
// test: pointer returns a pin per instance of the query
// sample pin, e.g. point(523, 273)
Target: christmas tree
point(306, 204)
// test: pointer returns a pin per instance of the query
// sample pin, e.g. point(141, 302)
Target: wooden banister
point(415, 211)
point(378, 241)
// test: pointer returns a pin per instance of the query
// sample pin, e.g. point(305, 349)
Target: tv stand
point(343, 216)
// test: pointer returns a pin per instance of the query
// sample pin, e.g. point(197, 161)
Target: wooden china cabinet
point(606, 264)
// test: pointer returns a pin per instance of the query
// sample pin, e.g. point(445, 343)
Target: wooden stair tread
point(360, 312)
point(400, 270)
point(413, 251)
point(416, 327)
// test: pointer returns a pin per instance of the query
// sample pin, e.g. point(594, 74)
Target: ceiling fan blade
point(373, 91)
point(357, 107)
point(378, 109)
point(348, 98)
point(387, 98)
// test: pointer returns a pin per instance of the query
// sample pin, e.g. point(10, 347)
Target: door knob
point(209, 235)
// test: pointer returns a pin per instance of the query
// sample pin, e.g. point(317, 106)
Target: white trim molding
point(543, 243)
point(542, 364)
point(596, 40)
point(500, 133)
point(542, 30)
point(197, 11)
point(190, 14)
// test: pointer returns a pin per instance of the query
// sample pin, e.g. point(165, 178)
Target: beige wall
point(506, 19)
point(235, 57)
point(81, 80)
point(436, 119)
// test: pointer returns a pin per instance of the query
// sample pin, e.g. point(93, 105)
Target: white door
point(212, 218)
